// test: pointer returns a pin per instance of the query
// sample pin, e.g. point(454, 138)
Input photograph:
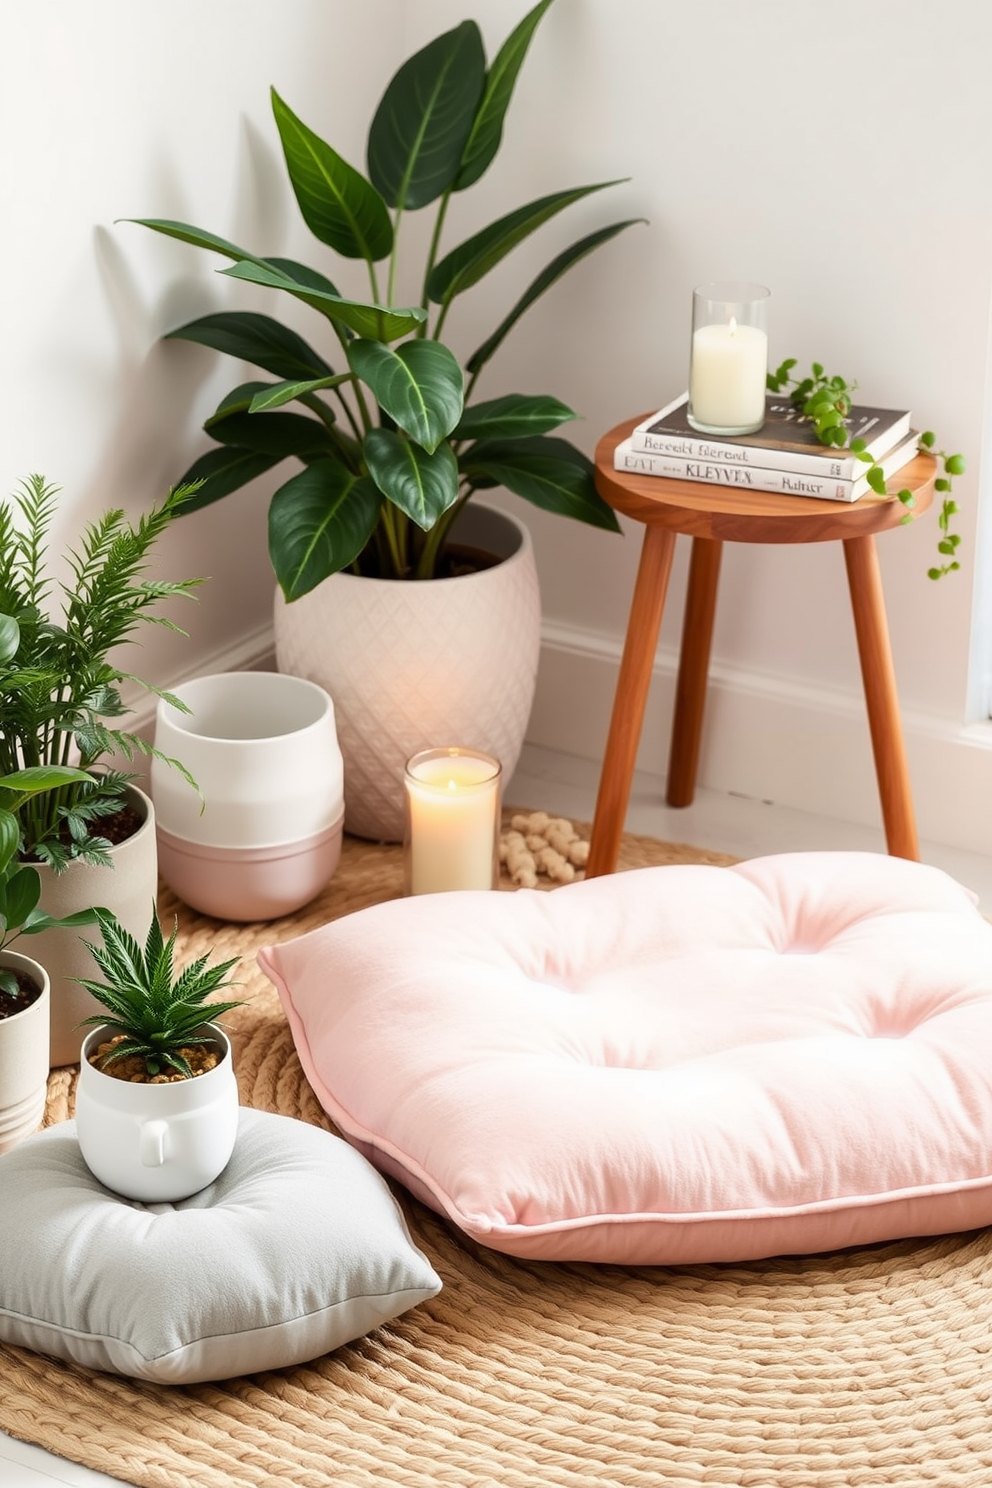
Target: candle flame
point(452, 785)
point(733, 325)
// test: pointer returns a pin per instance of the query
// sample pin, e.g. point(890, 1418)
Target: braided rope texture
point(864, 1368)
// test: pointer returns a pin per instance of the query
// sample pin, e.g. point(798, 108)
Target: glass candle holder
point(728, 362)
point(451, 838)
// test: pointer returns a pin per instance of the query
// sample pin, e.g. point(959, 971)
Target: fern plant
point(156, 1012)
point(59, 690)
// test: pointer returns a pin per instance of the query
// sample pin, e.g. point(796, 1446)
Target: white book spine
point(735, 477)
point(833, 467)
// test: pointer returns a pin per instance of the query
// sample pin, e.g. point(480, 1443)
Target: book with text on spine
point(753, 477)
point(785, 441)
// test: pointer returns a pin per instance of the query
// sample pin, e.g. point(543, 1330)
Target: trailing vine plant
point(826, 402)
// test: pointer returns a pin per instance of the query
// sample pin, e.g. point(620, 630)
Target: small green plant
point(156, 1012)
point(59, 691)
point(826, 402)
point(390, 441)
point(20, 884)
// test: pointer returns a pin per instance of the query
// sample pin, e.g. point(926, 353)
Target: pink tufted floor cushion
point(669, 1065)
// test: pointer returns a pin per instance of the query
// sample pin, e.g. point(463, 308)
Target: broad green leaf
point(338, 204)
point(550, 473)
point(238, 400)
point(274, 395)
point(38, 920)
point(279, 434)
point(35, 779)
point(420, 386)
point(10, 637)
point(195, 235)
point(420, 127)
point(473, 259)
point(319, 522)
point(10, 836)
point(23, 892)
point(378, 321)
point(487, 126)
point(514, 416)
point(554, 271)
point(422, 485)
point(224, 470)
point(303, 273)
point(254, 338)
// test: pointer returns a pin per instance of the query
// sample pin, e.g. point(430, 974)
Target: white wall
point(840, 156)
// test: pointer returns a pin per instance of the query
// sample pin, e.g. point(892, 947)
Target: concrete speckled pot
point(415, 666)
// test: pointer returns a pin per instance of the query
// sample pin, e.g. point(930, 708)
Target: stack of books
point(784, 455)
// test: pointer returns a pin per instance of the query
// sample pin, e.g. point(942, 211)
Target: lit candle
point(452, 804)
point(729, 359)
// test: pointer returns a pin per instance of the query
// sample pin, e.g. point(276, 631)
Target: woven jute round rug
point(865, 1367)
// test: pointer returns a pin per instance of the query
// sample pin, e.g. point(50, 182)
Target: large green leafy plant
point(60, 685)
point(391, 444)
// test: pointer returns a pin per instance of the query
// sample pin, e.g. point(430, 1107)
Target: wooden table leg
point(694, 665)
point(636, 667)
point(879, 678)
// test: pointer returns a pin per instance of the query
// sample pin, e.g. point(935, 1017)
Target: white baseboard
point(770, 738)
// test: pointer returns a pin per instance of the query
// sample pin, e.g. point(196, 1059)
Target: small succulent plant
point(156, 1013)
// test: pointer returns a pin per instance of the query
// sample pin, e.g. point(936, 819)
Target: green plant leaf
point(514, 416)
point(186, 233)
point(34, 779)
point(319, 522)
point(420, 127)
point(550, 473)
point(486, 133)
point(554, 271)
point(23, 890)
point(10, 637)
point(275, 394)
point(420, 386)
point(224, 470)
point(465, 265)
point(378, 321)
point(338, 204)
point(422, 485)
point(257, 339)
point(279, 434)
point(10, 836)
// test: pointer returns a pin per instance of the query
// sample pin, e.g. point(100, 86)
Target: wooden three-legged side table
point(711, 516)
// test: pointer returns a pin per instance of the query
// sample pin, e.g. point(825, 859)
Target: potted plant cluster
point(24, 983)
point(60, 706)
point(388, 431)
point(157, 1101)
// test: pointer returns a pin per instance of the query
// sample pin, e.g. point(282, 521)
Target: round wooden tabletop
point(701, 510)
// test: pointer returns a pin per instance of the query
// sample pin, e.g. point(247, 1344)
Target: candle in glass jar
point(452, 820)
point(728, 362)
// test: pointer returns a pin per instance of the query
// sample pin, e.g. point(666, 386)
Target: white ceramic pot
point(157, 1143)
point(415, 666)
point(23, 1057)
point(264, 835)
point(129, 888)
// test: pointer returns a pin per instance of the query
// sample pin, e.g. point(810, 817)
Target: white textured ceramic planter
point(157, 1143)
point(129, 888)
point(23, 1058)
point(264, 835)
point(415, 666)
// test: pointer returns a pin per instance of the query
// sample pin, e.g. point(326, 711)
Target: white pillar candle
point(452, 801)
point(727, 376)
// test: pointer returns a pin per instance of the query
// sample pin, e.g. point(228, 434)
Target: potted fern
point(24, 982)
point(91, 840)
point(392, 441)
point(157, 1101)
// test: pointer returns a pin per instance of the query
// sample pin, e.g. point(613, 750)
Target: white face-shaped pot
point(157, 1143)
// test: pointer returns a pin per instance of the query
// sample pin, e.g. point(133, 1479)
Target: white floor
point(567, 786)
